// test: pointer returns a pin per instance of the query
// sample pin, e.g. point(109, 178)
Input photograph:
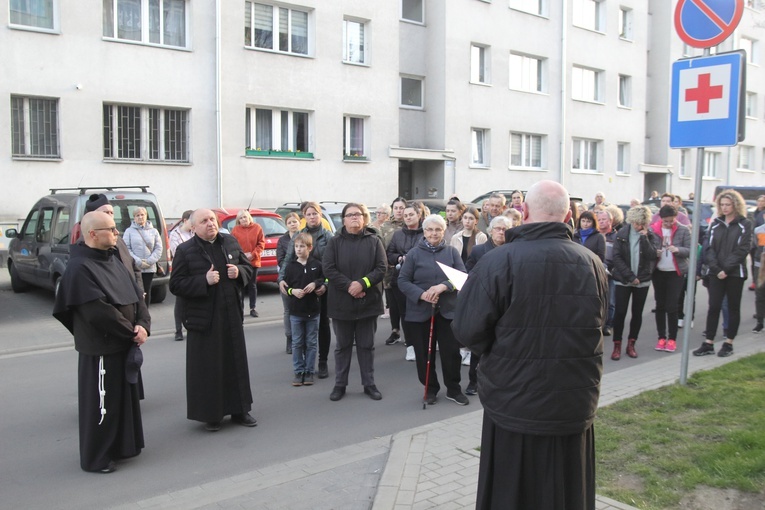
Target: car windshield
point(272, 227)
point(123, 213)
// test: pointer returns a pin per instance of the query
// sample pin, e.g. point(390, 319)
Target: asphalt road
point(39, 465)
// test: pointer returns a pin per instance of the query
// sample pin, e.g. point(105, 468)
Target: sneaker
point(460, 399)
point(752, 286)
point(394, 338)
point(410, 353)
point(471, 389)
point(254, 313)
point(465, 357)
point(726, 350)
point(706, 348)
point(386, 314)
point(298, 380)
point(680, 323)
point(307, 379)
point(431, 399)
point(323, 371)
point(671, 345)
point(757, 328)
point(661, 345)
point(607, 331)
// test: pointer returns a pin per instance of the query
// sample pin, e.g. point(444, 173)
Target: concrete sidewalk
point(433, 466)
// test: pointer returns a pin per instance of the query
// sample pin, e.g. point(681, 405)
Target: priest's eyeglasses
point(114, 230)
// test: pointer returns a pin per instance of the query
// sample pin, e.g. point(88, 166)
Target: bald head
point(546, 201)
point(98, 230)
point(204, 224)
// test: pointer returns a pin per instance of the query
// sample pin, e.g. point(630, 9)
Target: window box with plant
point(278, 153)
point(354, 157)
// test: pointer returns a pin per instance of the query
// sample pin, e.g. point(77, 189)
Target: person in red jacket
point(251, 239)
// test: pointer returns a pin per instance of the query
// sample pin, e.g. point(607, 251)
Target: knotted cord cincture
point(101, 388)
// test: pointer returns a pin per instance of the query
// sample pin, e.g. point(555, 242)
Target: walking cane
point(430, 348)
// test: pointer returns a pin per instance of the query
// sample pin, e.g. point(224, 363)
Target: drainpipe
point(218, 121)
point(563, 90)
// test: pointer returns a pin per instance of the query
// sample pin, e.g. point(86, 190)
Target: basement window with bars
point(145, 133)
point(34, 127)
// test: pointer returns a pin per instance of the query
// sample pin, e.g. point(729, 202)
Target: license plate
point(268, 253)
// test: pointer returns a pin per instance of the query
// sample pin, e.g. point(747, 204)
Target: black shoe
point(607, 331)
point(471, 389)
point(373, 393)
point(705, 349)
point(726, 350)
point(179, 336)
point(297, 380)
point(757, 328)
point(338, 392)
point(212, 426)
point(307, 379)
point(431, 399)
point(244, 419)
point(110, 468)
point(394, 338)
point(253, 313)
point(459, 399)
point(323, 372)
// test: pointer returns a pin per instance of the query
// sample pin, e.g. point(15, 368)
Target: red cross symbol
point(704, 93)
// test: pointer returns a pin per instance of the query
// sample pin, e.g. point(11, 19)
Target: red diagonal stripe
point(712, 15)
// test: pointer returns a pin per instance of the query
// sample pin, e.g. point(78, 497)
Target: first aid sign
point(707, 101)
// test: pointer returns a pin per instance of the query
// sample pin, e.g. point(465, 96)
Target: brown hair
point(305, 238)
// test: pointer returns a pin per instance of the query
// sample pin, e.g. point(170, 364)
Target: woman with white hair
point(634, 259)
point(145, 246)
point(430, 294)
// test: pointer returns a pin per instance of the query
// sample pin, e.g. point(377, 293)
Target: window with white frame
point(526, 150)
point(145, 133)
point(684, 161)
point(40, 14)
point(745, 157)
point(412, 92)
point(625, 23)
point(479, 145)
point(162, 22)
point(354, 41)
point(538, 7)
point(584, 155)
point(34, 127)
point(622, 158)
point(280, 130)
point(479, 64)
point(353, 137)
point(527, 73)
point(589, 14)
point(750, 46)
point(413, 10)
point(751, 104)
point(585, 84)
point(275, 28)
point(625, 90)
point(711, 163)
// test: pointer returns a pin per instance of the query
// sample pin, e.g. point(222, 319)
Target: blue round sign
point(706, 23)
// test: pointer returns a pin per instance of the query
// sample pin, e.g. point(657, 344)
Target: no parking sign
point(706, 23)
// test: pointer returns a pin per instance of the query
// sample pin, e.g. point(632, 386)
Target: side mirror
point(11, 233)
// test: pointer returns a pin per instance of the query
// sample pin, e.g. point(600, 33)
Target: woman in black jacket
point(635, 252)
point(729, 240)
point(587, 235)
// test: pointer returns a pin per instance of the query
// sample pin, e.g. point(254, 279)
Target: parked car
point(273, 228)
point(331, 220)
point(707, 209)
point(39, 252)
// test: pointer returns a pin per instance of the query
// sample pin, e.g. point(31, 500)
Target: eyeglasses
point(354, 215)
point(499, 229)
point(433, 230)
point(113, 229)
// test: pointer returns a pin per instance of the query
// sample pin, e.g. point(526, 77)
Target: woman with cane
point(430, 299)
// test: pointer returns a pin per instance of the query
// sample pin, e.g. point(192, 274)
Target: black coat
point(622, 268)
point(403, 240)
point(728, 245)
point(596, 243)
point(534, 308)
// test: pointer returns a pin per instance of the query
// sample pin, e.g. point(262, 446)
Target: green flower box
point(348, 157)
point(279, 154)
point(254, 152)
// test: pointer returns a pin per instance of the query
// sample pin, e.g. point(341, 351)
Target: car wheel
point(158, 294)
point(16, 283)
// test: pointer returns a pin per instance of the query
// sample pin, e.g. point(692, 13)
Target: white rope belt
point(101, 388)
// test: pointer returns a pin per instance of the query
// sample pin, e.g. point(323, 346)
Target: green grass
point(657, 447)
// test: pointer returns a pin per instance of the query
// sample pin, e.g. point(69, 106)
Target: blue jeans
point(305, 337)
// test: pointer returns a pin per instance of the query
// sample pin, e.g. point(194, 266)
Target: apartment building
point(214, 103)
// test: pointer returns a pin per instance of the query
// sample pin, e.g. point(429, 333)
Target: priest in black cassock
point(210, 271)
point(100, 304)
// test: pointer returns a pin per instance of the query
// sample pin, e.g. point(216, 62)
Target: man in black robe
point(534, 309)
point(210, 271)
point(100, 304)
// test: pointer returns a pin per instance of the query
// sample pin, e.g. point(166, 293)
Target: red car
point(273, 228)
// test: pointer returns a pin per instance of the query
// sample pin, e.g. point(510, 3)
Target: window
point(711, 162)
point(684, 170)
point(622, 158)
point(585, 84)
point(751, 104)
point(588, 14)
point(750, 46)
point(278, 130)
point(745, 157)
point(531, 6)
point(61, 227)
point(354, 42)
point(145, 133)
point(40, 14)
point(479, 147)
point(625, 23)
point(353, 138)
point(160, 22)
point(585, 154)
point(525, 150)
point(34, 127)
point(625, 91)
point(479, 64)
point(411, 92)
point(275, 28)
point(413, 10)
point(526, 73)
